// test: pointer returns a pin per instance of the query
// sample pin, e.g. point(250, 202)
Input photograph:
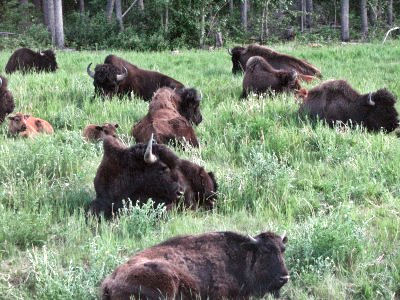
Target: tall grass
point(336, 192)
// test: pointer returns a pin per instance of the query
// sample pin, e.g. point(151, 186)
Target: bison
point(170, 115)
point(6, 100)
point(27, 126)
point(335, 101)
point(26, 60)
point(149, 171)
point(215, 265)
point(94, 133)
point(241, 55)
point(119, 77)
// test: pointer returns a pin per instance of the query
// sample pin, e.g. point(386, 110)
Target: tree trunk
point(309, 10)
point(38, 4)
point(82, 6)
point(58, 22)
point(364, 18)
point(109, 9)
point(49, 6)
point(141, 4)
point(345, 21)
point(231, 7)
point(166, 18)
point(118, 13)
point(390, 13)
point(202, 27)
point(373, 13)
point(218, 40)
point(301, 9)
point(243, 14)
point(45, 13)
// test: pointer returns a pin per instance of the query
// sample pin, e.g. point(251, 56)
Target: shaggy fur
point(6, 100)
point(26, 60)
point(142, 83)
point(123, 174)
point(335, 101)
point(170, 116)
point(95, 133)
point(216, 265)
point(261, 77)
point(279, 61)
point(28, 126)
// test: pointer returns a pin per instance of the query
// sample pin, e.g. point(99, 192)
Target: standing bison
point(241, 55)
point(26, 60)
point(216, 265)
point(119, 77)
point(6, 100)
point(335, 101)
point(170, 115)
point(149, 171)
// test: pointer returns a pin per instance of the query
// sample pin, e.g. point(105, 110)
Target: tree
point(82, 6)
point(109, 9)
point(345, 21)
point(48, 9)
point(364, 18)
point(243, 14)
point(141, 4)
point(390, 13)
point(58, 23)
point(309, 10)
point(118, 13)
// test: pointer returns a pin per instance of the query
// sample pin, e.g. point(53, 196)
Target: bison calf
point(28, 126)
point(216, 265)
point(6, 100)
point(99, 132)
point(149, 171)
point(170, 115)
point(26, 60)
point(335, 101)
point(119, 77)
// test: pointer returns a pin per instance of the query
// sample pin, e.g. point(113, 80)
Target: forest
point(174, 24)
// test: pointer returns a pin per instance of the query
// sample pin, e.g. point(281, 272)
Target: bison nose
point(23, 127)
point(284, 279)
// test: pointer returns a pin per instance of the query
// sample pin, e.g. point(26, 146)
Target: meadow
point(334, 191)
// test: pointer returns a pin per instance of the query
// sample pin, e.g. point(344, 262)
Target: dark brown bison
point(26, 60)
point(241, 55)
point(99, 132)
point(149, 171)
point(335, 101)
point(119, 77)
point(170, 115)
point(216, 265)
point(6, 100)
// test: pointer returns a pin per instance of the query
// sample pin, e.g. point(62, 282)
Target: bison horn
point(90, 72)
point(122, 76)
point(149, 157)
point(201, 95)
point(230, 51)
point(1, 82)
point(370, 101)
point(252, 240)
point(283, 235)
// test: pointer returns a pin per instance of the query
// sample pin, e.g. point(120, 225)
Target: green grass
point(336, 192)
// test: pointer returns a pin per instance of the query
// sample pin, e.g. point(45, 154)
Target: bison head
point(290, 81)
point(48, 60)
point(107, 129)
point(236, 53)
point(107, 78)
point(17, 123)
point(380, 111)
point(6, 100)
point(190, 105)
point(267, 263)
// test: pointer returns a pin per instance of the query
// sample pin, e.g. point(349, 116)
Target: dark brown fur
point(124, 174)
point(336, 101)
point(260, 77)
point(26, 60)
point(241, 55)
point(6, 100)
point(216, 265)
point(142, 83)
point(170, 115)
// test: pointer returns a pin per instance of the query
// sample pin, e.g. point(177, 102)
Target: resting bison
point(241, 55)
point(26, 60)
point(153, 171)
point(119, 77)
point(6, 100)
point(28, 126)
point(99, 132)
point(170, 116)
point(336, 101)
point(216, 265)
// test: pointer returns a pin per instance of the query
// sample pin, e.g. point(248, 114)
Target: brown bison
point(28, 126)
point(99, 132)
point(170, 115)
point(149, 171)
point(215, 265)
point(241, 55)
point(119, 77)
point(6, 100)
point(26, 60)
point(335, 101)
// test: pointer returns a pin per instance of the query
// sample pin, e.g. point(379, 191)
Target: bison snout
point(284, 279)
point(23, 127)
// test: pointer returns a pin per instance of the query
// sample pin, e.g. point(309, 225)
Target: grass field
point(336, 192)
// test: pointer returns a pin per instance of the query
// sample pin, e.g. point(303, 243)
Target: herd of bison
point(214, 265)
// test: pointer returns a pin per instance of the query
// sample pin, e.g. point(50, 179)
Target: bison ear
point(26, 117)
point(99, 128)
point(116, 125)
point(11, 118)
point(284, 238)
